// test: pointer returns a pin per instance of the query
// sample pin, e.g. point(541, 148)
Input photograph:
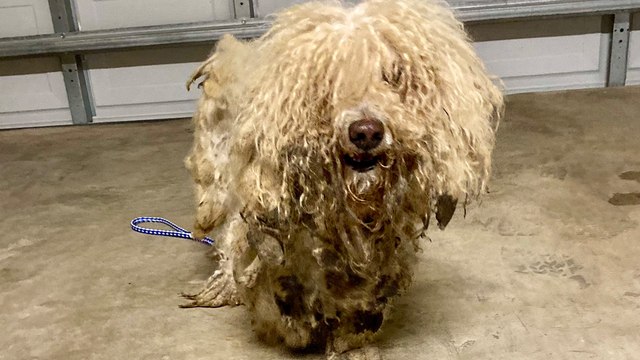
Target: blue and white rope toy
point(177, 231)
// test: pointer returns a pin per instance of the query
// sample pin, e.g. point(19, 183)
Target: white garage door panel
point(266, 7)
point(145, 84)
point(150, 111)
point(44, 117)
point(32, 91)
point(550, 63)
point(24, 17)
point(143, 92)
point(548, 55)
point(140, 84)
point(109, 14)
point(633, 75)
point(18, 20)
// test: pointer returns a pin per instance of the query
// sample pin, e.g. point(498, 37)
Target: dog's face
point(378, 109)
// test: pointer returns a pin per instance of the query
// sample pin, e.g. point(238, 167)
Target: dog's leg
point(238, 266)
point(220, 290)
point(364, 353)
point(349, 346)
point(208, 163)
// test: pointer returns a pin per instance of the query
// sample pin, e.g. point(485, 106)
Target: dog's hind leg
point(363, 353)
point(220, 288)
point(345, 344)
point(208, 163)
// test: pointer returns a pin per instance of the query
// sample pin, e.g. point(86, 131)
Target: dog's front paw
point(220, 290)
point(364, 353)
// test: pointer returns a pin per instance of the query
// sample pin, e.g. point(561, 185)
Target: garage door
point(150, 83)
point(32, 91)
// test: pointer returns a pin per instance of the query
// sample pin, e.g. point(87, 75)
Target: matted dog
point(321, 151)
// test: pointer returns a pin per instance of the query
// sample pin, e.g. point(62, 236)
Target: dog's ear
point(445, 208)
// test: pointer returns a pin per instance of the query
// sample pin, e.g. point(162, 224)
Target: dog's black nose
point(366, 134)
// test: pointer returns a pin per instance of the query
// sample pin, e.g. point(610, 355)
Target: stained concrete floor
point(545, 268)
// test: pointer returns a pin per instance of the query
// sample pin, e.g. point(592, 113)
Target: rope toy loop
point(177, 231)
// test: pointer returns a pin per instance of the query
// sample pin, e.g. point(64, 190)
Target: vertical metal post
point(74, 71)
point(243, 9)
point(619, 49)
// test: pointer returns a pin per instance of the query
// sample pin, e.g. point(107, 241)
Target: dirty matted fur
point(315, 233)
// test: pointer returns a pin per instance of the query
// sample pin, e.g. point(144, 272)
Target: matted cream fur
point(314, 234)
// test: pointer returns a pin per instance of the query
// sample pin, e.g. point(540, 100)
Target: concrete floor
point(545, 268)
